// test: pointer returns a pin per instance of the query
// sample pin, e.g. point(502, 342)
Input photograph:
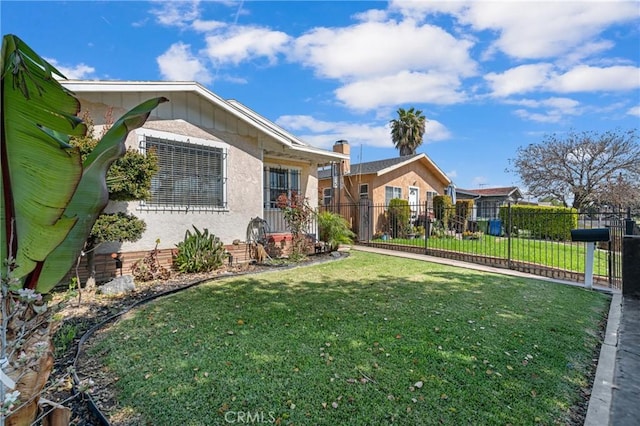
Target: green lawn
point(563, 255)
point(368, 340)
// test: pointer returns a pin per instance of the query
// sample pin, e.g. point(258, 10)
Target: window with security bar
point(190, 176)
point(279, 181)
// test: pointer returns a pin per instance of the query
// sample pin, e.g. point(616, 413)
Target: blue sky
point(489, 76)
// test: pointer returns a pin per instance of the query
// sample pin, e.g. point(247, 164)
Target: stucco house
point(221, 164)
point(487, 201)
point(415, 178)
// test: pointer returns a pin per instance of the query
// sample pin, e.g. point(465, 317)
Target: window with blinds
point(279, 181)
point(190, 176)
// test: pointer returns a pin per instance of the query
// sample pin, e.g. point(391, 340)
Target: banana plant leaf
point(50, 200)
point(40, 170)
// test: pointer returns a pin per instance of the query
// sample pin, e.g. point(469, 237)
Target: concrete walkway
point(615, 397)
point(625, 409)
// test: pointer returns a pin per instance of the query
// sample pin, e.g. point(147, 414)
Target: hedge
point(544, 222)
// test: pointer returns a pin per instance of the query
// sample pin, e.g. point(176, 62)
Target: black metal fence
point(534, 241)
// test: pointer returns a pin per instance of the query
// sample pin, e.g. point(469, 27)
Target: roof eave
point(443, 177)
point(233, 107)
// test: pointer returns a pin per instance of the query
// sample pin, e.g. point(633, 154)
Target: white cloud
point(634, 111)
point(588, 50)
point(324, 133)
point(376, 48)
point(568, 30)
point(538, 30)
point(584, 78)
point(179, 64)
point(559, 103)
point(245, 43)
point(452, 174)
point(179, 14)
point(435, 131)
point(553, 110)
point(402, 88)
point(545, 77)
point(73, 72)
point(207, 26)
point(399, 56)
point(521, 79)
point(371, 15)
point(418, 10)
point(551, 116)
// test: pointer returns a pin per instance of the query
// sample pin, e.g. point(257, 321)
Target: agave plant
point(49, 202)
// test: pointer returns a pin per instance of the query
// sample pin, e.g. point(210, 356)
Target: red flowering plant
point(299, 217)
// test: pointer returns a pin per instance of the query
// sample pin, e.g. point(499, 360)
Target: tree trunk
point(30, 355)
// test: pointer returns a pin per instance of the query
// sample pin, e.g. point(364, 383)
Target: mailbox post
point(590, 237)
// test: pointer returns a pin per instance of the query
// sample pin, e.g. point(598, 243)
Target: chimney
point(342, 146)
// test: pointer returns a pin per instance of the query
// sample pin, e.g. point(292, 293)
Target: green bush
point(199, 252)
point(399, 217)
point(443, 210)
point(543, 222)
point(464, 209)
point(334, 230)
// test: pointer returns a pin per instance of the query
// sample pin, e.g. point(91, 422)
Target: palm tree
point(407, 130)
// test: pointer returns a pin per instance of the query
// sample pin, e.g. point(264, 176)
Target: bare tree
point(582, 168)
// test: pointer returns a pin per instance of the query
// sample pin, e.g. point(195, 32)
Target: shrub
point(442, 207)
point(334, 229)
point(399, 217)
point(298, 215)
point(554, 223)
point(464, 210)
point(199, 252)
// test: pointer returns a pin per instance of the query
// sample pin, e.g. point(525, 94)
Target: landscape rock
point(118, 285)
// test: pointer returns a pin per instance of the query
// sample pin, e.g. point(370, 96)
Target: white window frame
point(327, 195)
point(143, 133)
point(363, 194)
point(396, 193)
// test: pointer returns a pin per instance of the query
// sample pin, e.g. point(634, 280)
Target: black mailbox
point(590, 235)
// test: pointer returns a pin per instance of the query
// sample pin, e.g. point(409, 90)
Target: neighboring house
point(488, 200)
point(221, 164)
point(415, 178)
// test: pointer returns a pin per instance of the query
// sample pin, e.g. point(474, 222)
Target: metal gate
point(616, 227)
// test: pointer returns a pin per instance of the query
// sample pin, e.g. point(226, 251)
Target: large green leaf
point(92, 196)
point(40, 170)
point(50, 200)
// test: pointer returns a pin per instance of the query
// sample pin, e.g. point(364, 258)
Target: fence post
point(427, 226)
point(509, 235)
